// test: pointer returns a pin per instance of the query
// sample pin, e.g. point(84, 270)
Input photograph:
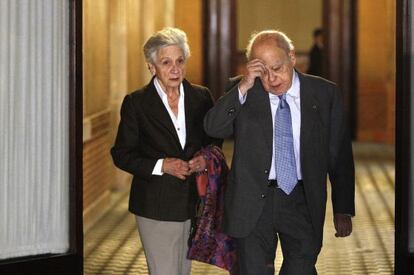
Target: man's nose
point(271, 76)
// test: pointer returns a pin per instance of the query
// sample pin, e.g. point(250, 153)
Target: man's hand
point(343, 225)
point(255, 68)
point(176, 167)
point(197, 164)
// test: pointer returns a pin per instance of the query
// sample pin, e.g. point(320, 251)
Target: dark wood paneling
point(76, 134)
point(404, 261)
point(339, 21)
point(220, 43)
point(98, 170)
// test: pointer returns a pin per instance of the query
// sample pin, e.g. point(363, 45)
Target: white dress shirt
point(293, 99)
point(178, 121)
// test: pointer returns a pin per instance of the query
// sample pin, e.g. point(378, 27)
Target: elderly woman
point(161, 129)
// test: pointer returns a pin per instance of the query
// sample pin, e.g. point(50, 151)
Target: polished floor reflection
point(112, 245)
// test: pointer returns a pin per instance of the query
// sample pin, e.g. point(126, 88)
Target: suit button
point(263, 196)
point(231, 111)
point(266, 171)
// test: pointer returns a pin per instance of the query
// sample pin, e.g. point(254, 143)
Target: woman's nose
point(174, 68)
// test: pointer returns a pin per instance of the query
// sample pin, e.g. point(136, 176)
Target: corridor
point(112, 245)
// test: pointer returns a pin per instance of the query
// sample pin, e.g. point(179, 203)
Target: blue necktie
point(284, 151)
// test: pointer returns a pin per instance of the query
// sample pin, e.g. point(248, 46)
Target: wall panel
point(114, 33)
point(376, 71)
point(188, 17)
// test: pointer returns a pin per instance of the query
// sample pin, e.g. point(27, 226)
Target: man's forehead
point(263, 48)
point(271, 57)
point(277, 63)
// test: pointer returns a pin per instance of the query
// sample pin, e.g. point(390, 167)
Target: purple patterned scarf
point(209, 244)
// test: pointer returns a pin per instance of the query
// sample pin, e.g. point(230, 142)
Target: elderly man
point(289, 133)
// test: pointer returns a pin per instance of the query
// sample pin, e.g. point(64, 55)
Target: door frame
point(404, 260)
point(71, 262)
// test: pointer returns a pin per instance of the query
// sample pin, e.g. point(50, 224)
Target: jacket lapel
point(259, 99)
point(309, 108)
point(158, 111)
point(189, 106)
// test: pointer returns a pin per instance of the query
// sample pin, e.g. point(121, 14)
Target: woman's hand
point(197, 164)
point(176, 167)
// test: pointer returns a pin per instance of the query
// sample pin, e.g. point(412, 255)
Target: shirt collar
point(295, 87)
point(161, 91)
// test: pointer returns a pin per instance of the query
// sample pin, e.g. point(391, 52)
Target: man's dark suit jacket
point(146, 133)
point(325, 149)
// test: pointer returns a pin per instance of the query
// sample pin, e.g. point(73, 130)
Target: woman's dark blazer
point(146, 134)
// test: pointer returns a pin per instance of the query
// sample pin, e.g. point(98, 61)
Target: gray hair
point(282, 40)
point(163, 38)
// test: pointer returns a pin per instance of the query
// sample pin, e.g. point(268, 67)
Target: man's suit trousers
point(285, 218)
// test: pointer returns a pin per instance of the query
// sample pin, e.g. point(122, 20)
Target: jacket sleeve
point(219, 120)
point(125, 152)
point(341, 163)
point(208, 139)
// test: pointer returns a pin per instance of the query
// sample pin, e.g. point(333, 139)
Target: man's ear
point(292, 57)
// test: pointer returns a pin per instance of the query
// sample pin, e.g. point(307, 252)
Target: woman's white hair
point(163, 38)
point(282, 40)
